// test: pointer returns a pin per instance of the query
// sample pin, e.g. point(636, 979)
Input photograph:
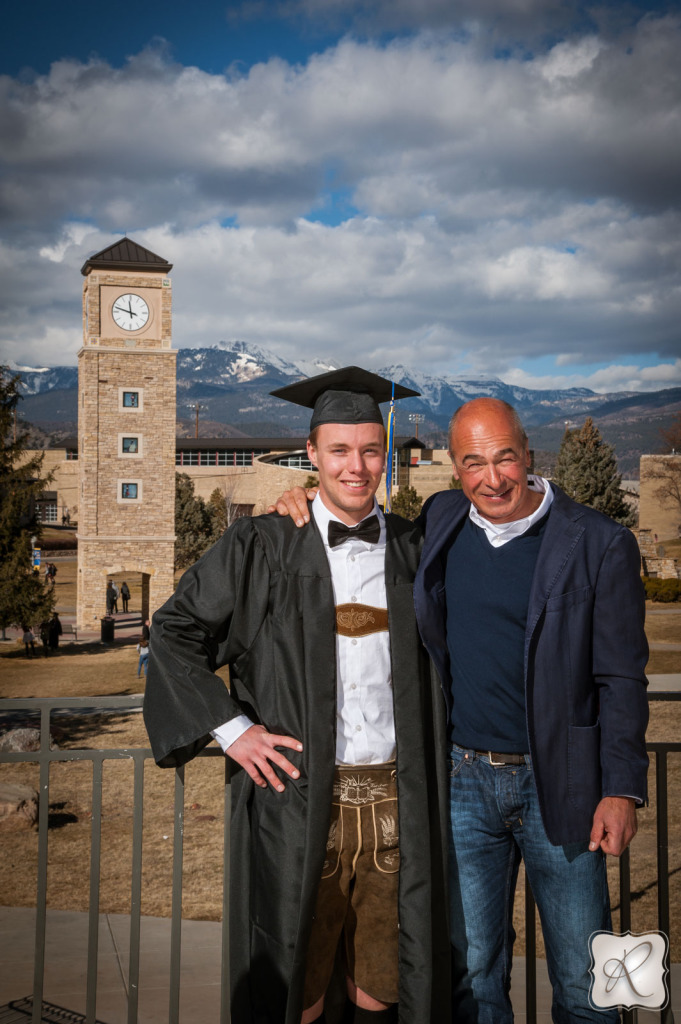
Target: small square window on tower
point(130, 399)
point(130, 446)
point(129, 492)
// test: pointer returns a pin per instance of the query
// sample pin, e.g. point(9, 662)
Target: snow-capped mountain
point(231, 383)
point(35, 380)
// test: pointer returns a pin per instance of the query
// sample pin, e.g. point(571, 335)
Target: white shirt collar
point(499, 534)
point(323, 516)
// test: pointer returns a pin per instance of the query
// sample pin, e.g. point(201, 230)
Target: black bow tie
point(368, 530)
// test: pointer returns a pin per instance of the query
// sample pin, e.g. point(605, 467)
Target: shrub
point(663, 591)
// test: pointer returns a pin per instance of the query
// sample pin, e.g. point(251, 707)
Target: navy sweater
point(488, 591)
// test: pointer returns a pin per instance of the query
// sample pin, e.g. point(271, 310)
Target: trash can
point(107, 622)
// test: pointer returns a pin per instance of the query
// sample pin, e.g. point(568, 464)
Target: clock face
point(130, 312)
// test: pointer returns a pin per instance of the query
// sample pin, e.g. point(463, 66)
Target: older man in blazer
point(532, 609)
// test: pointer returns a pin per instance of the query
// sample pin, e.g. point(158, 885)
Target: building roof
point(126, 255)
point(221, 444)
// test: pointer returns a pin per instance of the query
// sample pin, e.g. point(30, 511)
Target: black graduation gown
point(262, 600)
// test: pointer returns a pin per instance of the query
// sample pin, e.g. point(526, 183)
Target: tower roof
point(126, 255)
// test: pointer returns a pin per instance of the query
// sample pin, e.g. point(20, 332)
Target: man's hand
point(294, 503)
point(254, 750)
point(614, 825)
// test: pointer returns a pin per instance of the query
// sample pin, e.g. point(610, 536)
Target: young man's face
point(350, 458)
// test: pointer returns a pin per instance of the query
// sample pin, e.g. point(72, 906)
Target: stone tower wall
point(116, 534)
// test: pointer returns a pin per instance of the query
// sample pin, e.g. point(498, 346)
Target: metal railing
point(45, 757)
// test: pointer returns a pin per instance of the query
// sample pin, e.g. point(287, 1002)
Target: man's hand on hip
point(255, 749)
point(614, 825)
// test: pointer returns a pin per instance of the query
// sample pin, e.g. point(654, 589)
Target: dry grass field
point(95, 670)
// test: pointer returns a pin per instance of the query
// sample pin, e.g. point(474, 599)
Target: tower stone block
point(126, 428)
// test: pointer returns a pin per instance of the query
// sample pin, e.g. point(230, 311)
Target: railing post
point(95, 869)
point(530, 955)
point(136, 891)
point(41, 894)
point(666, 1015)
point(225, 993)
point(176, 906)
point(628, 1016)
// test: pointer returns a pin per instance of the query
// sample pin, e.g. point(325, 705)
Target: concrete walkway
point(66, 963)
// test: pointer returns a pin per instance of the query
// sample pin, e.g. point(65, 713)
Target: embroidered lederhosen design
point(360, 620)
point(364, 798)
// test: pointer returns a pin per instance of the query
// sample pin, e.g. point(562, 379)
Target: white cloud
point(610, 378)
point(508, 208)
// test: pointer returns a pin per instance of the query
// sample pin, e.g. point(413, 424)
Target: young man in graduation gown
point(336, 728)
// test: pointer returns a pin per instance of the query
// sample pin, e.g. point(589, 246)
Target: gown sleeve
point(213, 617)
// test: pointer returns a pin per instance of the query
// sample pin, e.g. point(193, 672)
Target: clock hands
point(130, 317)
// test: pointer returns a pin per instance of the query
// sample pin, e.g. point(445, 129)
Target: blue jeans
point(144, 660)
point(495, 821)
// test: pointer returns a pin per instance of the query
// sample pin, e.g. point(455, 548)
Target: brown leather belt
point(500, 759)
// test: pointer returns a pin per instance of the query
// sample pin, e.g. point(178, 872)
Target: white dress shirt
point(365, 725)
point(499, 534)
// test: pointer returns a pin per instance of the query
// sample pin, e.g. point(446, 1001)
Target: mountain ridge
point(231, 382)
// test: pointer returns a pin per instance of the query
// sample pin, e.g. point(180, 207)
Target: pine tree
point(24, 598)
point(407, 503)
point(587, 471)
point(218, 511)
point(194, 529)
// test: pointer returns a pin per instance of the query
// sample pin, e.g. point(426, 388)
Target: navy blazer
point(585, 656)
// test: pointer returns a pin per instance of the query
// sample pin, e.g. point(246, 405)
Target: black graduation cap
point(349, 395)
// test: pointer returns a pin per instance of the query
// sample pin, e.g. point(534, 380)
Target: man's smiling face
point(350, 458)
point(490, 456)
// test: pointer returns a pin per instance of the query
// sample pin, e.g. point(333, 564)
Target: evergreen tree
point(587, 471)
point(194, 526)
point(218, 511)
point(24, 598)
point(406, 503)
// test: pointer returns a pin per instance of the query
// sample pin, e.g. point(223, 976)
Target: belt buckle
point(495, 764)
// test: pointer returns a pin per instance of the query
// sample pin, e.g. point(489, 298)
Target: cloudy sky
point(466, 186)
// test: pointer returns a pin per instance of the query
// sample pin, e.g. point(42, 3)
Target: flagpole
point(390, 434)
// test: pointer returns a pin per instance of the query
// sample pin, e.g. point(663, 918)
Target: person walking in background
point(110, 598)
point(55, 630)
point(45, 636)
point(125, 596)
point(143, 651)
point(114, 587)
point(28, 640)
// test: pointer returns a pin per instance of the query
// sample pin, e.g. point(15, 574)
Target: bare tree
point(222, 506)
point(671, 435)
point(666, 470)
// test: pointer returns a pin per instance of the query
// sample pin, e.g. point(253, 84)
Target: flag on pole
point(390, 435)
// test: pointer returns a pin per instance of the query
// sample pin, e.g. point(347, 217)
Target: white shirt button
point(353, 598)
point(358, 728)
point(353, 641)
point(353, 686)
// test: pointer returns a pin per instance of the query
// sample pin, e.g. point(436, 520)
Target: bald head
point(490, 456)
point(478, 409)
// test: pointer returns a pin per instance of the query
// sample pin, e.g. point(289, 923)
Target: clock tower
point(126, 428)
